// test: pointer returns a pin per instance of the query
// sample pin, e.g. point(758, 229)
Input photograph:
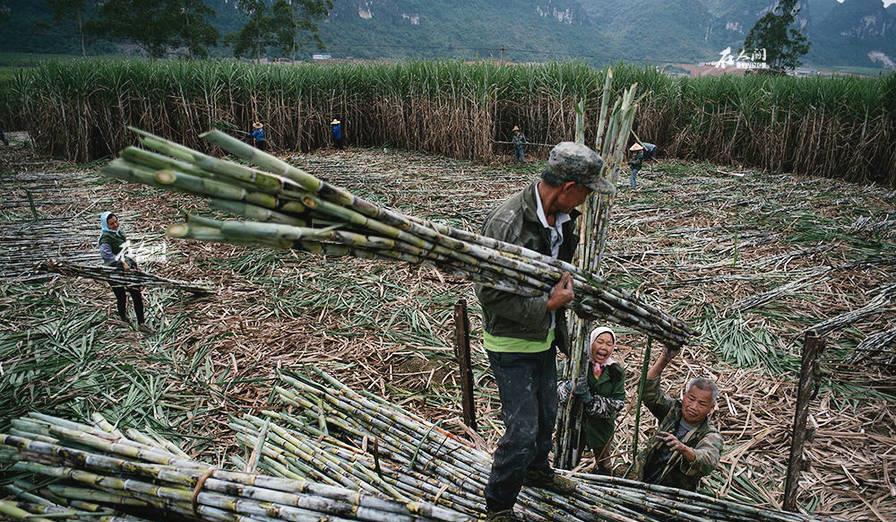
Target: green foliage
point(775, 33)
point(71, 9)
point(746, 344)
point(726, 119)
point(284, 26)
point(157, 26)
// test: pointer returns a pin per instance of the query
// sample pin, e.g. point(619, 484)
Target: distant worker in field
point(111, 244)
point(686, 446)
point(3, 137)
point(602, 392)
point(640, 153)
point(337, 132)
point(522, 334)
point(519, 144)
point(258, 136)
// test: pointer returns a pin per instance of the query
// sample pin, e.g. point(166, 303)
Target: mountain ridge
point(852, 33)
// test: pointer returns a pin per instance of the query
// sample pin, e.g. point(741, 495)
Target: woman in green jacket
point(602, 392)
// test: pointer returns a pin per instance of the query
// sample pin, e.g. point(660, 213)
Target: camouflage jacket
point(508, 315)
point(705, 439)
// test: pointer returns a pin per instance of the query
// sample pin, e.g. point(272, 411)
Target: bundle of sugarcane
point(117, 277)
point(360, 441)
point(613, 130)
point(99, 467)
point(290, 208)
point(25, 244)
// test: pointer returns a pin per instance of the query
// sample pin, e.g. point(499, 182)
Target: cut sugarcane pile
point(290, 208)
point(115, 276)
point(340, 437)
point(331, 452)
point(103, 475)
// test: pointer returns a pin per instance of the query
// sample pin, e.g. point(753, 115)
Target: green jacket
point(598, 429)
point(637, 160)
point(509, 315)
point(110, 244)
point(607, 399)
point(705, 439)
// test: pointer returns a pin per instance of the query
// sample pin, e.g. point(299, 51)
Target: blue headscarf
point(104, 223)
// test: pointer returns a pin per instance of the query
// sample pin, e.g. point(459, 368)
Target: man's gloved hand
point(582, 391)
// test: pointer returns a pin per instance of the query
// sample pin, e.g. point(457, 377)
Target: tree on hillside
point(68, 10)
point(157, 26)
point(777, 34)
point(285, 26)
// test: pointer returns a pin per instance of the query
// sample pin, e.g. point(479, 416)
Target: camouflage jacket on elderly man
point(661, 466)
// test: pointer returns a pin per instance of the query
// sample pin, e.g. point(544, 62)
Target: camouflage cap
point(570, 161)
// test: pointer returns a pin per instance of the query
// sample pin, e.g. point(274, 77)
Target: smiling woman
point(602, 392)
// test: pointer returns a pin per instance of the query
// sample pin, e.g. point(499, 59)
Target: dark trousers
point(261, 145)
point(527, 385)
point(121, 301)
point(519, 153)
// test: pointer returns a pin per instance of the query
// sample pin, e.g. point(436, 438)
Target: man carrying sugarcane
point(522, 334)
point(686, 446)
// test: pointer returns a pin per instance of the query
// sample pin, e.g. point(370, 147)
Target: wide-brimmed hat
point(636, 147)
point(335, 122)
point(516, 128)
point(257, 125)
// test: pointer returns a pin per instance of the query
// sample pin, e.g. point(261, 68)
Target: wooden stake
point(462, 352)
point(813, 346)
point(31, 205)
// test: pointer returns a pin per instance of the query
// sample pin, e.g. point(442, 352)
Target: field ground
point(749, 259)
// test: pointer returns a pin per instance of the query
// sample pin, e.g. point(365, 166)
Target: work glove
point(582, 391)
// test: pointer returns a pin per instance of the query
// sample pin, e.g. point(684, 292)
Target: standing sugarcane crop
point(521, 333)
point(686, 445)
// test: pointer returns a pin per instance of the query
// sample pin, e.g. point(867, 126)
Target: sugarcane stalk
point(645, 365)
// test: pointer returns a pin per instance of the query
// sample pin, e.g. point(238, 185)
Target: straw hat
point(335, 122)
point(257, 125)
point(515, 128)
point(636, 147)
